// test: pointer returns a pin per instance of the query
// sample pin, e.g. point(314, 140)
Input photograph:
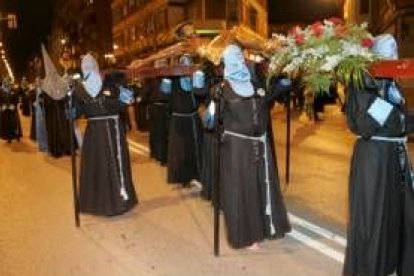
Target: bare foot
point(254, 247)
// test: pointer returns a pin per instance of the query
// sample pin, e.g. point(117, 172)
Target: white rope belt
point(184, 114)
point(386, 139)
point(262, 139)
point(123, 191)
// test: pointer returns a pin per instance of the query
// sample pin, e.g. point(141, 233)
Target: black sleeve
point(278, 89)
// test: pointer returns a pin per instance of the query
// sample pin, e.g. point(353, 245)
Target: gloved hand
point(125, 95)
point(166, 86)
point(209, 116)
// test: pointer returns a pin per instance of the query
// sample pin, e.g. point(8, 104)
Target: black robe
point(209, 143)
point(57, 126)
point(254, 209)
point(141, 107)
point(10, 126)
point(31, 98)
point(160, 115)
point(185, 136)
point(25, 101)
point(106, 185)
point(381, 197)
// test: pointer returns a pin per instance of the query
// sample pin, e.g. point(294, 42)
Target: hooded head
point(92, 79)
point(24, 84)
point(386, 47)
point(236, 71)
point(6, 84)
point(185, 82)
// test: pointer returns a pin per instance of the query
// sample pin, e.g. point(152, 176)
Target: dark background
point(34, 22)
point(286, 11)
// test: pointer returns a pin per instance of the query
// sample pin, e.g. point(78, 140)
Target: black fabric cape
point(57, 126)
point(142, 107)
point(160, 114)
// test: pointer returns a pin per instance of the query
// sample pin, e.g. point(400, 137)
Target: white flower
point(293, 65)
point(331, 62)
point(329, 30)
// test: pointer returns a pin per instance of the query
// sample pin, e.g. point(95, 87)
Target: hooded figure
point(252, 200)
point(38, 131)
point(55, 103)
point(185, 135)
point(106, 186)
point(381, 191)
point(10, 126)
point(23, 92)
point(141, 105)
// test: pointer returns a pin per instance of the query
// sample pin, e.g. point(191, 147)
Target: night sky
point(34, 20)
point(287, 11)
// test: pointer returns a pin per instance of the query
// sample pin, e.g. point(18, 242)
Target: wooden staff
point(288, 128)
point(216, 186)
point(73, 159)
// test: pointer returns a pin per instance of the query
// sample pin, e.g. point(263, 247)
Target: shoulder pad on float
point(199, 79)
point(166, 86)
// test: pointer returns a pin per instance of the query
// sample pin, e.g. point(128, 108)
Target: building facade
point(80, 26)
point(141, 27)
point(386, 16)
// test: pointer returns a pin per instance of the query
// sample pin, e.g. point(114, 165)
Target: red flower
point(295, 31)
point(317, 29)
point(367, 42)
point(299, 39)
point(335, 20)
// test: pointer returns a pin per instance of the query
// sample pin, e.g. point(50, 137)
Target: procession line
point(318, 246)
point(317, 230)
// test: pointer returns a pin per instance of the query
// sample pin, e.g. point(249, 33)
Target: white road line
point(138, 145)
point(318, 246)
point(140, 152)
point(318, 230)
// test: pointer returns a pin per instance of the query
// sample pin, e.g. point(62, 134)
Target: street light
point(63, 41)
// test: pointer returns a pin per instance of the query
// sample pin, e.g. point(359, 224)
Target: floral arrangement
point(323, 53)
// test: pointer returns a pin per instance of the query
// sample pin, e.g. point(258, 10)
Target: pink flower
point(317, 29)
point(335, 20)
point(367, 42)
point(295, 31)
point(299, 39)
